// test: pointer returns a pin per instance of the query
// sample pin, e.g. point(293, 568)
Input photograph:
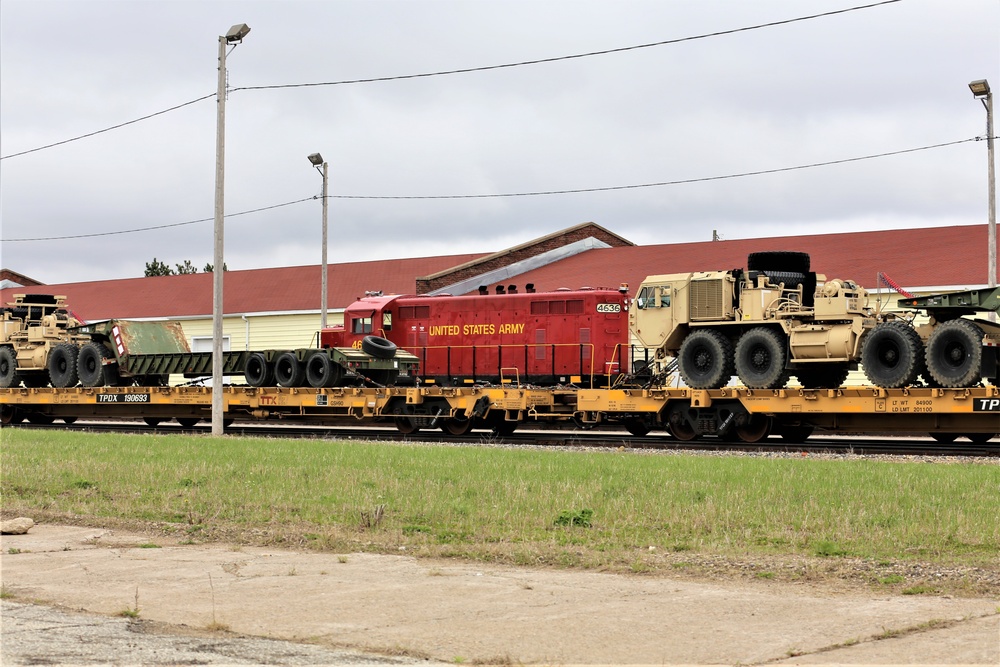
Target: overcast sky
point(877, 80)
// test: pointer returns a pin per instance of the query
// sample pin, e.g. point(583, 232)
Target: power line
point(516, 194)
point(467, 69)
point(604, 52)
point(108, 129)
point(663, 183)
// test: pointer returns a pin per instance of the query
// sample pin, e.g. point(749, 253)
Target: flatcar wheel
point(945, 438)
point(39, 418)
point(636, 426)
point(755, 430)
point(683, 431)
point(795, 434)
point(10, 415)
point(405, 425)
point(980, 438)
point(457, 426)
point(152, 421)
point(187, 422)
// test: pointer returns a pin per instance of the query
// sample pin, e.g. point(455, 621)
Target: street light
point(234, 36)
point(317, 160)
point(981, 90)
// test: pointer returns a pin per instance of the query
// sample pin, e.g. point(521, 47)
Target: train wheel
point(823, 375)
point(39, 418)
point(795, 434)
point(288, 370)
point(892, 355)
point(955, 353)
point(761, 359)
point(706, 359)
point(10, 415)
point(8, 368)
point(980, 438)
point(62, 365)
point(321, 371)
point(755, 430)
point(683, 431)
point(945, 438)
point(637, 426)
point(188, 422)
point(405, 425)
point(69, 420)
point(152, 421)
point(378, 347)
point(457, 426)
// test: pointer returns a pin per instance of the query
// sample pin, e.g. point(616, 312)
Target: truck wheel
point(823, 375)
point(321, 371)
point(257, 371)
point(8, 368)
point(761, 359)
point(705, 359)
point(62, 365)
point(778, 260)
point(955, 353)
point(90, 366)
point(892, 355)
point(378, 347)
point(288, 370)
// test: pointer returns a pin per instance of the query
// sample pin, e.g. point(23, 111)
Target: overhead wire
point(705, 179)
point(466, 70)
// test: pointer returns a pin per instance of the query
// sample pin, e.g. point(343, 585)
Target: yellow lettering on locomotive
point(356, 344)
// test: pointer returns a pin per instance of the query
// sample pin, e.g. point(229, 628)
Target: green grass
point(529, 507)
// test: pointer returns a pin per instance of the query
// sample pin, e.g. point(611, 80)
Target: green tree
point(158, 268)
point(186, 268)
point(211, 267)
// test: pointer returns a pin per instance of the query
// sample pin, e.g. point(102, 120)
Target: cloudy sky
point(870, 81)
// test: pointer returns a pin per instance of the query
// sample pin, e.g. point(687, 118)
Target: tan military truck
point(37, 344)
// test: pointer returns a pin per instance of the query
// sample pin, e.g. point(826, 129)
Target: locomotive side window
point(387, 321)
point(361, 325)
point(557, 307)
point(575, 307)
point(539, 307)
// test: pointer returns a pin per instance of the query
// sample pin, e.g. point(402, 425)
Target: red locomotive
point(563, 337)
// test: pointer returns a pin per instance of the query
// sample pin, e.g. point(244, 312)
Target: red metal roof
point(294, 288)
point(940, 256)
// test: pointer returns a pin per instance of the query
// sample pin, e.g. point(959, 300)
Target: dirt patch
point(452, 611)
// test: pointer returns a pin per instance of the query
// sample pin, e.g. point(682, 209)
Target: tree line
point(158, 268)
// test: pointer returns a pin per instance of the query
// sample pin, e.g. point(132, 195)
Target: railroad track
point(582, 439)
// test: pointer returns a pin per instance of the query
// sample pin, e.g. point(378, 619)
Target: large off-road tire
point(322, 371)
point(892, 355)
point(62, 365)
point(778, 260)
point(823, 375)
point(288, 370)
point(705, 360)
point(378, 347)
point(90, 366)
point(257, 371)
point(955, 353)
point(761, 359)
point(8, 367)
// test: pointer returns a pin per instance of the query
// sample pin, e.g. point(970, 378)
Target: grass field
point(615, 510)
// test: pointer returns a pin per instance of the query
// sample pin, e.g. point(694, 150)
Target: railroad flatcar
point(564, 337)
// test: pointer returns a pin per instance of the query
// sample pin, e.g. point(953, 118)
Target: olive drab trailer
point(778, 319)
point(42, 344)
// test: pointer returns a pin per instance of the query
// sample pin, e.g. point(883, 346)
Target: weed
point(919, 589)
point(580, 518)
point(133, 611)
point(13, 551)
point(149, 545)
point(371, 519)
point(827, 548)
point(891, 579)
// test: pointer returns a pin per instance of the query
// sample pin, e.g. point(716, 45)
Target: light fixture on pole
point(234, 37)
point(981, 90)
point(317, 161)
